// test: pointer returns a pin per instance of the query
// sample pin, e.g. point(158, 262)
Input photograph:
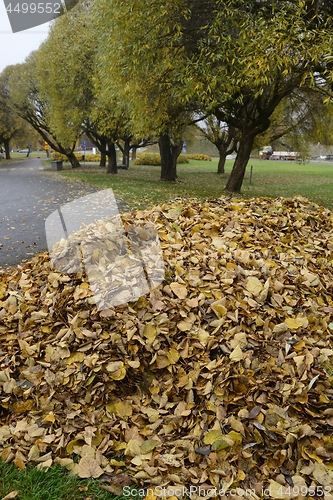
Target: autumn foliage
point(221, 376)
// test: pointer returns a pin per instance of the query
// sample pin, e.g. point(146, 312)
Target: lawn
point(55, 484)
point(141, 187)
point(15, 157)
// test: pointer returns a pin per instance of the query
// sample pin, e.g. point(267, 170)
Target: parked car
point(25, 151)
point(2, 156)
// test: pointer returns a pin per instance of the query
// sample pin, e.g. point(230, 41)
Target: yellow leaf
point(23, 406)
point(212, 436)
point(253, 285)
point(151, 495)
point(73, 443)
point(117, 463)
point(173, 356)
point(235, 436)
point(116, 369)
point(241, 475)
point(219, 310)
point(149, 331)
point(179, 290)
point(49, 418)
point(276, 490)
point(295, 323)
point(76, 357)
point(121, 408)
point(148, 446)
point(236, 354)
point(133, 448)
point(19, 463)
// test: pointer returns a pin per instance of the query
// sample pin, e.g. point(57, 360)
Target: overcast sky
point(15, 47)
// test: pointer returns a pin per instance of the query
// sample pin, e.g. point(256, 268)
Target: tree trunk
point(134, 153)
point(7, 148)
point(102, 163)
point(112, 159)
point(236, 177)
point(126, 152)
point(169, 154)
point(74, 161)
point(221, 165)
point(222, 156)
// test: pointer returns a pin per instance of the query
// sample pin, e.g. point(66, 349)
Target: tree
point(34, 107)
point(237, 59)
point(300, 119)
point(140, 80)
point(75, 99)
point(285, 52)
point(11, 124)
point(223, 136)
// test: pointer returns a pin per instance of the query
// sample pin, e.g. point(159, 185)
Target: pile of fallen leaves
point(221, 376)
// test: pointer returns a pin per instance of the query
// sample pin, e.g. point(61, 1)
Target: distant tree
point(300, 119)
point(11, 125)
point(34, 107)
point(223, 136)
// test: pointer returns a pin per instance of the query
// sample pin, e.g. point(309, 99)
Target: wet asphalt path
point(28, 195)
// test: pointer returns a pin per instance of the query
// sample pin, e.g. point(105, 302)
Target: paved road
point(28, 194)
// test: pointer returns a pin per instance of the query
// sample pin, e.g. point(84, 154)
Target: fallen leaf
point(88, 467)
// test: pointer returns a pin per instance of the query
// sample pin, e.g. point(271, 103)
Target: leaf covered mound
point(221, 376)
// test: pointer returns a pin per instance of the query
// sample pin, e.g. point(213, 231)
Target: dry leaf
point(88, 467)
point(220, 374)
point(12, 494)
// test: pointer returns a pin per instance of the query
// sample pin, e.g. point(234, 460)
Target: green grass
point(15, 157)
point(55, 484)
point(141, 187)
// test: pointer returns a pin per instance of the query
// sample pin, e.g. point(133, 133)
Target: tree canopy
point(236, 59)
point(127, 71)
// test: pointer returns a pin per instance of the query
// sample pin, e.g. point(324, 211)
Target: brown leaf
point(88, 467)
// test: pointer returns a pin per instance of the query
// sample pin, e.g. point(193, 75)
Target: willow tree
point(223, 136)
point(33, 105)
point(65, 68)
point(234, 58)
point(140, 72)
point(11, 125)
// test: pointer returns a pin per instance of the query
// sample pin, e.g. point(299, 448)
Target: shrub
point(182, 159)
point(87, 158)
point(155, 159)
point(199, 157)
point(58, 156)
point(148, 159)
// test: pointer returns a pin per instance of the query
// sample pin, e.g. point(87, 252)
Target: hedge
point(199, 157)
point(155, 159)
point(87, 158)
